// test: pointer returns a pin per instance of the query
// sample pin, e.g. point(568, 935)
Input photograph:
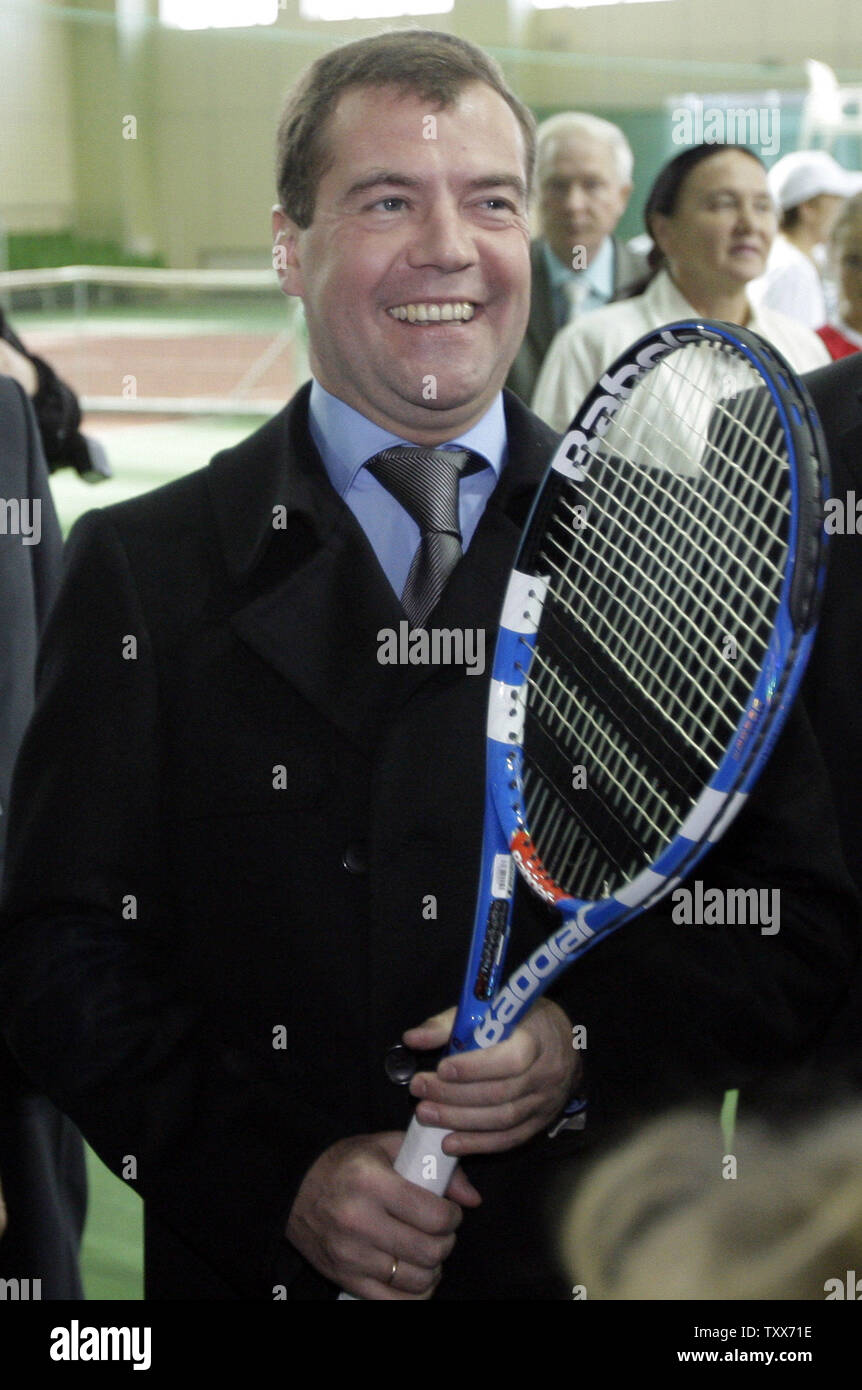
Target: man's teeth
point(433, 313)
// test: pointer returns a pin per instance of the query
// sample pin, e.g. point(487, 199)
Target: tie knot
point(425, 482)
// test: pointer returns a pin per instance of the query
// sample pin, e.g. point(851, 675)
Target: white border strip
point(709, 805)
point(642, 887)
point(522, 606)
point(503, 726)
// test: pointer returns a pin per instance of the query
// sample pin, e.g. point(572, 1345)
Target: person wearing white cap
point(809, 188)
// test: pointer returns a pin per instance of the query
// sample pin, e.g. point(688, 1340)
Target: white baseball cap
point(807, 173)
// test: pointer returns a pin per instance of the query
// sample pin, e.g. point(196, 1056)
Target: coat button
point(400, 1064)
point(355, 859)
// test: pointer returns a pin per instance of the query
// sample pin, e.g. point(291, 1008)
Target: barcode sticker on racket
point(503, 878)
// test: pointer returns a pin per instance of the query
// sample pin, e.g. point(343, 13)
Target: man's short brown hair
point(432, 65)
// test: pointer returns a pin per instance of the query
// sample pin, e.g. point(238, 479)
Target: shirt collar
point(346, 440)
point(668, 302)
point(598, 275)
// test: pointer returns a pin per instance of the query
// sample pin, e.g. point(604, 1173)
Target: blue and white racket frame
point(487, 1013)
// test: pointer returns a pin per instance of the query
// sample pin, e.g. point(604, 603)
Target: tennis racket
point(654, 632)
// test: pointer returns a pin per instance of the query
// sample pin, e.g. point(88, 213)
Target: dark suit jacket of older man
point(544, 323)
point(230, 895)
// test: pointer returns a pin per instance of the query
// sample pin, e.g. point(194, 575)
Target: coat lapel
point(311, 598)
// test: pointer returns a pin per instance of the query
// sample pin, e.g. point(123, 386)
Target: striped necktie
point(426, 482)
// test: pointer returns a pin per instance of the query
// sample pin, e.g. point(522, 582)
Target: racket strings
point(568, 646)
point(586, 834)
point(755, 420)
point(744, 530)
point(638, 637)
point(748, 538)
point(673, 544)
point(663, 691)
point(624, 802)
point(731, 528)
point(657, 618)
point(615, 758)
point(637, 782)
point(660, 641)
point(754, 423)
point(594, 856)
point(689, 590)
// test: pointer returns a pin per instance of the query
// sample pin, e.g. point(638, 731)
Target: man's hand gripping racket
point(654, 632)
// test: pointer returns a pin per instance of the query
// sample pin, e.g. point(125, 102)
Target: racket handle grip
point(421, 1160)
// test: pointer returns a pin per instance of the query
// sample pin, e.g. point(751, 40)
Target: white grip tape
point(421, 1159)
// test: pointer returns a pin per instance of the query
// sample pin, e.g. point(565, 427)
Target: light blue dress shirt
point(346, 441)
point(598, 279)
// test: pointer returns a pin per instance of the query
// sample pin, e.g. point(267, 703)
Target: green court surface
point(143, 456)
point(112, 1255)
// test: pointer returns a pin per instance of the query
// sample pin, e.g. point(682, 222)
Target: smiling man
point(284, 881)
point(415, 264)
point(261, 893)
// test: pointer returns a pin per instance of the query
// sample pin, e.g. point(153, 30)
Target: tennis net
point(222, 342)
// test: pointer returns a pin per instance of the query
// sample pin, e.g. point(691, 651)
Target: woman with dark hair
point(712, 221)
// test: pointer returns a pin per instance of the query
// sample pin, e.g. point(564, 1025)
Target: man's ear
point(625, 194)
point(284, 252)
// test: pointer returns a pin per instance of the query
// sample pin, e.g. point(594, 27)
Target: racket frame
point(486, 1013)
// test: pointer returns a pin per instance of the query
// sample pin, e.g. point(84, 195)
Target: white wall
point(198, 181)
point(37, 170)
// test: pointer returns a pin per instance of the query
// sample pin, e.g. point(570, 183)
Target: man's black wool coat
point(175, 899)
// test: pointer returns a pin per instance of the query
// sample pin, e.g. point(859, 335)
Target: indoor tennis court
point(136, 259)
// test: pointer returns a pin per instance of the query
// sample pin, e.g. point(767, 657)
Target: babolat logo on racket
point(528, 980)
point(604, 402)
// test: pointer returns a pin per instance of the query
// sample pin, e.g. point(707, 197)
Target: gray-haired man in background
point(584, 174)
